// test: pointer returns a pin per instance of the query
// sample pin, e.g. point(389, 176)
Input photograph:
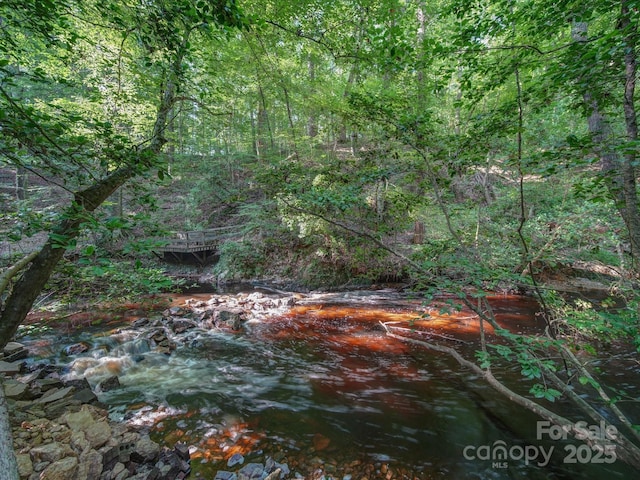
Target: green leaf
point(586, 380)
point(552, 394)
point(503, 350)
point(484, 359)
point(98, 271)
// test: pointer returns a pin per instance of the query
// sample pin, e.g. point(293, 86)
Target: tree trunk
point(28, 287)
point(8, 464)
point(312, 123)
point(22, 183)
point(264, 131)
point(619, 171)
point(629, 209)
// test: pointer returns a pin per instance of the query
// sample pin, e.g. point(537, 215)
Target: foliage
point(612, 320)
point(331, 132)
point(32, 330)
point(102, 279)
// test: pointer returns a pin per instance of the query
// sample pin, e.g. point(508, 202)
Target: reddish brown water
point(328, 389)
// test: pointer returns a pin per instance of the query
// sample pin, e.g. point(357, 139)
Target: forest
point(466, 148)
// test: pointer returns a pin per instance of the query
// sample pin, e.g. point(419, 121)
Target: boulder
point(85, 395)
point(46, 384)
point(251, 471)
point(109, 384)
point(275, 475)
point(16, 390)
point(141, 322)
point(97, 434)
point(55, 394)
point(127, 446)
point(89, 466)
point(223, 475)
point(10, 368)
point(117, 470)
point(50, 452)
point(79, 420)
point(181, 325)
point(77, 383)
point(182, 451)
point(235, 459)
point(172, 466)
point(67, 404)
point(64, 469)
point(145, 450)
point(76, 348)
point(13, 351)
point(230, 319)
point(173, 312)
point(25, 465)
point(79, 442)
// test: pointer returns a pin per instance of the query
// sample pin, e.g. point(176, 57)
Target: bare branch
point(626, 450)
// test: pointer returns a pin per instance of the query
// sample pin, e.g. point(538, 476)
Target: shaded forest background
point(456, 136)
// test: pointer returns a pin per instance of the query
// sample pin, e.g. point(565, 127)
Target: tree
point(617, 157)
point(503, 56)
point(57, 117)
point(86, 154)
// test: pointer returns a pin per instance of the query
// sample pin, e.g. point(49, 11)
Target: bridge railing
point(189, 241)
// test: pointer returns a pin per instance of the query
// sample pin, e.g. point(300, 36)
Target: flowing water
point(326, 388)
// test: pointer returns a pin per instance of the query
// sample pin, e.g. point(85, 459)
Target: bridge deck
point(201, 244)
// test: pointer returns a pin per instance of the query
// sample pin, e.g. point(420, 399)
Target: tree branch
point(627, 451)
point(9, 273)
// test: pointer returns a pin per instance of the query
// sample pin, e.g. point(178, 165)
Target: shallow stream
point(322, 387)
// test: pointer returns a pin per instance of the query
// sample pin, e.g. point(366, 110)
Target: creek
point(320, 386)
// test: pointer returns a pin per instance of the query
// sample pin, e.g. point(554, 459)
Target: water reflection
point(324, 382)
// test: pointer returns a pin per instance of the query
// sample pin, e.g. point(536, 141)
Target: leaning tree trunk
point(26, 290)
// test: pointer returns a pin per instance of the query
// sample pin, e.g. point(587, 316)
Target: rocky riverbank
point(62, 431)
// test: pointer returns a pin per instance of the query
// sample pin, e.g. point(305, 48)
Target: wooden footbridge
point(199, 245)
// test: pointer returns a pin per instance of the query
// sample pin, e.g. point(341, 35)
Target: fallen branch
point(627, 451)
point(430, 334)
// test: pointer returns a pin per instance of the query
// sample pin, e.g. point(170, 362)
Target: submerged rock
point(109, 384)
point(232, 319)
point(76, 348)
point(224, 475)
